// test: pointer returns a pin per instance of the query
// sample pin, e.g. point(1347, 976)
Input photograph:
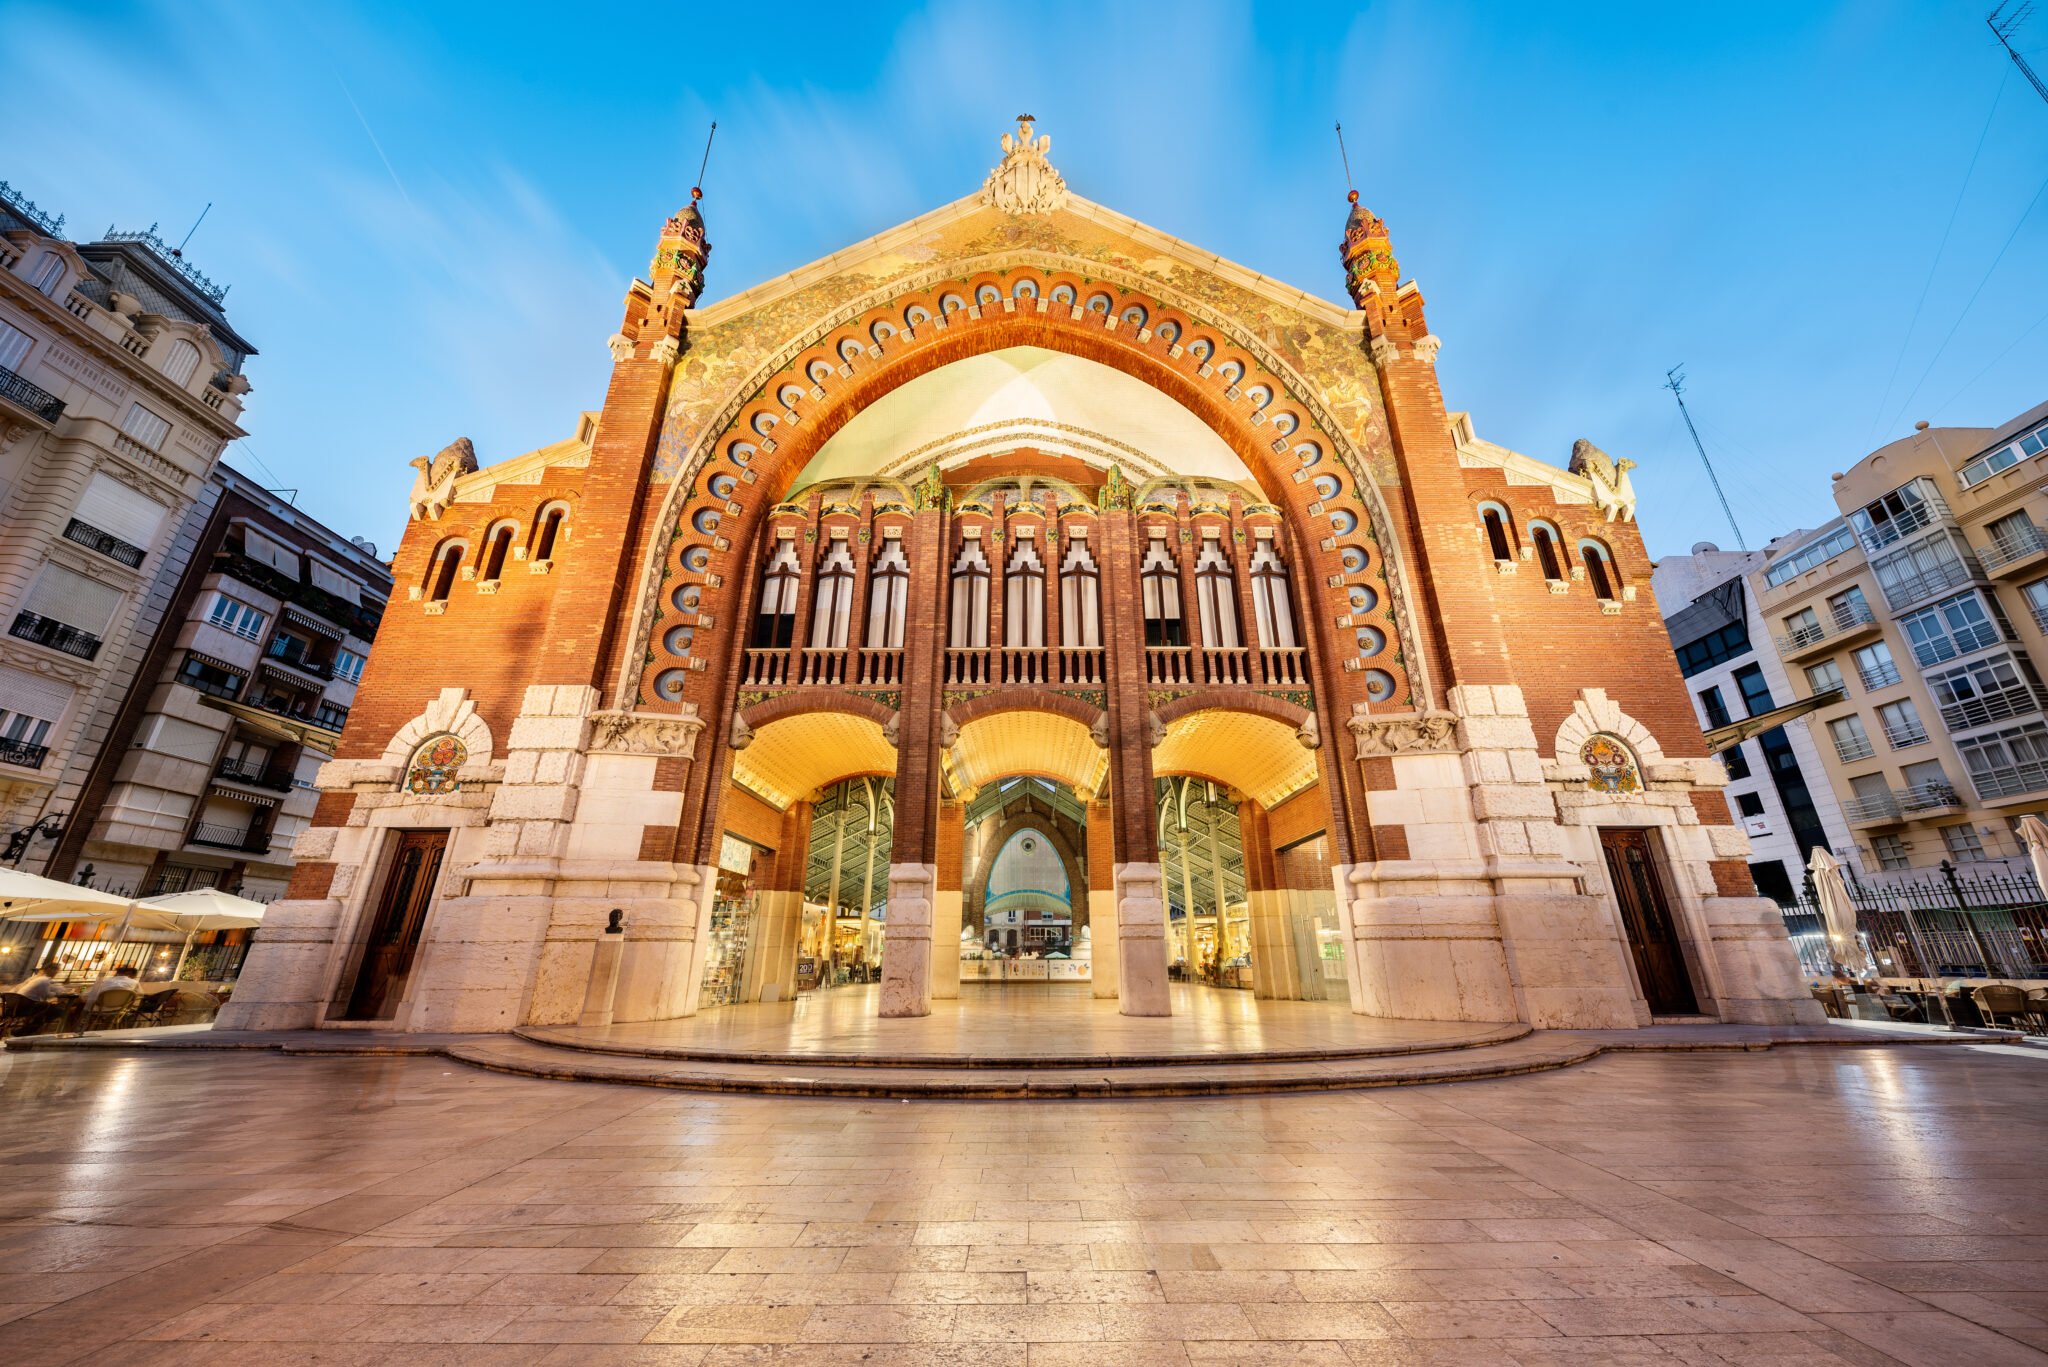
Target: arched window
point(497, 545)
point(1272, 604)
point(1500, 531)
point(775, 623)
point(832, 609)
point(549, 528)
point(888, 587)
point(1216, 596)
point(1080, 596)
point(1600, 571)
point(1024, 595)
point(1549, 551)
point(1160, 580)
point(441, 574)
point(49, 274)
point(970, 596)
point(180, 361)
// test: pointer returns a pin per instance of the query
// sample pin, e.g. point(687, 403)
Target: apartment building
point(207, 777)
point(120, 385)
point(1926, 606)
point(1778, 787)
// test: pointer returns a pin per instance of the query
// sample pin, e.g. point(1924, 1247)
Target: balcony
point(1905, 736)
point(22, 754)
point(1283, 668)
point(1915, 588)
point(358, 620)
point(1930, 511)
point(1981, 636)
point(2014, 700)
point(33, 400)
point(106, 543)
point(1166, 666)
point(247, 841)
point(2011, 780)
point(1903, 804)
point(881, 667)
point(234, 772)
point(299, 663)
point(1849, 749)
point(1878, 676)
point(2018, 550)
point(1846, 622)
point(49, 632)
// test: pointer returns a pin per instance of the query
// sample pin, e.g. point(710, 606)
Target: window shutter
point(73, 600)
point(335, 582)
point(113, 507)
point(275, 554)
point(146, 426)
point(33, 695)
point(14, 345)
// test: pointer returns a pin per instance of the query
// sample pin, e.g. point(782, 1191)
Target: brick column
point(1276, 973)
point(1139, 895)
point(906, 943)
point(1101, 895)
point(779, 913)
point(946, 901)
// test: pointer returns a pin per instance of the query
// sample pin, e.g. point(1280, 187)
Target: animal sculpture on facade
point(433, 488)
point(1612, 492)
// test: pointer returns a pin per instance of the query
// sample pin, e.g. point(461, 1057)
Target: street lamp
point(48, 827)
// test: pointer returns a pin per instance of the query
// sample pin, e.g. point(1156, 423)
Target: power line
point(2004, 28)
point(1674, 380)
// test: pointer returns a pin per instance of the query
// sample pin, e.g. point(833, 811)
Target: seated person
point(41, 987)
point(120, 978)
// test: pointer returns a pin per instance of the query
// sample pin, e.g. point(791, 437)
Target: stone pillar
point(946, 902)
point(1276, 972)
point(1136, 879)
point(913, 868)
point(779, 913)
point(1101, 894)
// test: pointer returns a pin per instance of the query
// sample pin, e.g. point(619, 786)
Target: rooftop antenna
point(697, 190)
point(1348, 184)
point(2004, 25)
point(180, 251)
point(1674, 380)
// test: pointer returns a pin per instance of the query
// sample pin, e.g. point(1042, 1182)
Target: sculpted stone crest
point(1613, 494)
point(630, 733)
point(1418, 733)
point(1024, 181)
point(433, 488)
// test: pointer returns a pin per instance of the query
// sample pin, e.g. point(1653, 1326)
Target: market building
point(1021, 517)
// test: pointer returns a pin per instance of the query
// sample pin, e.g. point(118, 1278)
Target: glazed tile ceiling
point(1012, 743)
point(1255, 755)
point(789, 759)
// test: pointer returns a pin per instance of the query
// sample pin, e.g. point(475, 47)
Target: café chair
point(2001, 999)
point(107, 1012)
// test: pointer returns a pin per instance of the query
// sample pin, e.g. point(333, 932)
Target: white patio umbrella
point(203, 909)
point(1837, 911)
point(2034, 831)
point(32, 898)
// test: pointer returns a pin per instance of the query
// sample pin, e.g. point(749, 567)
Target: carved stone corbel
point(742, 734)
point(1415, 733)
point(634, 733)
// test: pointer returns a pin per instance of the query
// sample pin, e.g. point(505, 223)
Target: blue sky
point(428, 214)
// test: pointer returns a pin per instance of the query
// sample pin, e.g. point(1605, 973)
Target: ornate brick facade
point(1246, 543)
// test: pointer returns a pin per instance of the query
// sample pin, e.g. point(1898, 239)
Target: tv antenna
point(180, 251)
point(1674, 380)
point(1348, 184)
point(699, 187)
point(2004, 24)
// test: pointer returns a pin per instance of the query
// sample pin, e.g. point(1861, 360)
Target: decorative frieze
point(1416, 733)
point(640, 733)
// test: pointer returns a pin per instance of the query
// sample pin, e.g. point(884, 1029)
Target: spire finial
point(1349, 183)
point(697, 190)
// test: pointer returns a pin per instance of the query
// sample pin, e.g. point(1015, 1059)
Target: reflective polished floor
point(1814, 1206)
point(1007, 1022)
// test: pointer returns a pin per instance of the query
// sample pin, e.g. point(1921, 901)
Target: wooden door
point(1646, 916)
point(394, 935)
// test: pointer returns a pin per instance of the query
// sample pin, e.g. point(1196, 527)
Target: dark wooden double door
point(400, 914)
point(1646, 919)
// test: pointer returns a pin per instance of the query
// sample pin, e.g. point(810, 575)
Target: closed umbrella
point(2034, 831)
point(1838, 912)
point(203, 909)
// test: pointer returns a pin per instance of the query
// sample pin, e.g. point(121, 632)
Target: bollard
point(604, 972)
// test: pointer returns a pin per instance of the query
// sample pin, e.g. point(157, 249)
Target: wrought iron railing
point(23, 754)
point(24, 208)
point(29, 397)
point(48, 631)
point(235, 771)
point(2014, 543)
point(106, 543)
point(1843, 619)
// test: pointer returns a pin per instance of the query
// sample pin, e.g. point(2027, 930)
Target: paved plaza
point(1800, 1206)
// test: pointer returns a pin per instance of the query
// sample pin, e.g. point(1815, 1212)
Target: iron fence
point(1989, 925)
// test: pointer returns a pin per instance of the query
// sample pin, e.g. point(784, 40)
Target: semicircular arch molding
point(1256, 753)
point(788, 759)
point(687, 446)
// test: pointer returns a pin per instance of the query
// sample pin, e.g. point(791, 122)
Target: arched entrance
point(1025, 913)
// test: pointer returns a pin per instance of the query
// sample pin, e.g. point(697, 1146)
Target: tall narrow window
point(441, 579)
point(832, 609)
point(888, 586)
point(1499, 539)
point(1549, 554)
point(51, 271)
point(548, 533)
point(1272, 604)
point(1080, 597)
point(1024, 596)
point(970, 597)
point(180, 361)
point(1160, 580)
point(1216, 596)
point(1599, 570)
point(495, 550)
point(775, 622)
